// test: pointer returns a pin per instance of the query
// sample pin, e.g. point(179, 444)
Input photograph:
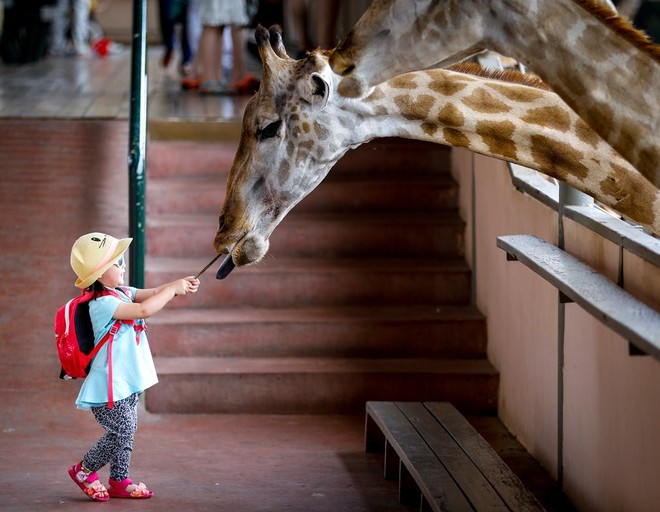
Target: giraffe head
point(396, 36)
point(285, 149)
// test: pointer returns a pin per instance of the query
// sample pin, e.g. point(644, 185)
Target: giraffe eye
point(269, 131)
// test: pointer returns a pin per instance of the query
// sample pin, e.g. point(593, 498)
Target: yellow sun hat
point(94, 253)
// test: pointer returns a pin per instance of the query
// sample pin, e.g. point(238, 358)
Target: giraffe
point(296, 127)
point(603, 68)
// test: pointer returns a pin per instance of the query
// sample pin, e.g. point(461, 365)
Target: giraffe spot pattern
point(519, 94)
point(412, 109)
point(589, 43)
point(551, 117)
point(553, 155)
point(376, 95)
point(456, 14)
point(322, 132)
point(602, 115)
point(565, 73)
point(440, 18)
point(484, 102)
point(456, 138)
point(403, 82)
point(429, 128)
point(450, 115)
point(619, 185)
point(651, 156)
point(304, 149)
point(497, 136)
point(586, 134)
point(284, 172)
point(627, 138)
point(446, 87)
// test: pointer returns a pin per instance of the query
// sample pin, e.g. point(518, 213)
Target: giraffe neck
point(512, 122)
point(607, 80)
point(605, 77)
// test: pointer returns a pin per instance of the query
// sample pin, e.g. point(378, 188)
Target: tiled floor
point(99, 88)
point(192, 462)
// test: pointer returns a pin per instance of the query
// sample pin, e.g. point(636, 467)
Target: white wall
point(611, 423)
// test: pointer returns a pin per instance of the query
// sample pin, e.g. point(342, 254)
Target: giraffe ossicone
point(296, 127)
point(604, 69)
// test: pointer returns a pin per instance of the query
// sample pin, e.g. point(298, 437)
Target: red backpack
point(74, 338)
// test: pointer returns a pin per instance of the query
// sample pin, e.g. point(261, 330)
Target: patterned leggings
point(116, 445)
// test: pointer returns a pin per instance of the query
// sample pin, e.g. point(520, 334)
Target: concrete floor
point(196, 462)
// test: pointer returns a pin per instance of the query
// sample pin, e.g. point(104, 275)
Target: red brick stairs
point(364, 295)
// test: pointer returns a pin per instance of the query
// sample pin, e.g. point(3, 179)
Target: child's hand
point(193, 283)
point(186, 285)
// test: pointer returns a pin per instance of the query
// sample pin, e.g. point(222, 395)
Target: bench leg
point(425, 507)
point(374, 439)
point(391, 463)
point(409, 493)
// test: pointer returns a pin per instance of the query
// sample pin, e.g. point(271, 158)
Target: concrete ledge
point(164, 129)
point(605, 300)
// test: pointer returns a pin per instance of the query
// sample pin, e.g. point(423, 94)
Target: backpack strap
point(109, 337)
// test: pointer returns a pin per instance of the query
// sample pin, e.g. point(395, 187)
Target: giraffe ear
point(320, 91)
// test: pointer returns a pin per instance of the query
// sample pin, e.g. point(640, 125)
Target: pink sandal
point(118, 490)
point(96, 492)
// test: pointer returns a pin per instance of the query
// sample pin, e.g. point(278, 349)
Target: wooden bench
point(440, 460)
point(579, 283)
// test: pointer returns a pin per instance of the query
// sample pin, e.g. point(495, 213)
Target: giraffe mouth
point(251, 248)
point(245, 249)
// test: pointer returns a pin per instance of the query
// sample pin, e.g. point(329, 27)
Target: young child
point(98, 261)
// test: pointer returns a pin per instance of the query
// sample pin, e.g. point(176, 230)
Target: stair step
point(321, 234)
point(364, 294)
point(349, 193)
point(311, 282)
point(396, 155)
point(447, 331)
point(317, 385)
point(190, 158)
point(385, 155)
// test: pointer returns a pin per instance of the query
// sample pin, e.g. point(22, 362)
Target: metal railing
point(137, 142)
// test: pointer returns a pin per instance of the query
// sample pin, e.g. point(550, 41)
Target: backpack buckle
point(113, 330)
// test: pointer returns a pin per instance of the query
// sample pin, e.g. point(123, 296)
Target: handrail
point(602, 298)
point(137, 141)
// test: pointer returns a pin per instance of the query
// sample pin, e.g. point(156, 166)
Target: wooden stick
point(207, 266)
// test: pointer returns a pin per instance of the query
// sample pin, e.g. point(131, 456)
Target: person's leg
point(238, 40)
point(121, 462)
point(120, 424)
point(186, 43)
point(166, 30)
point(194, 25)
point(80, 29)
point(210, 48)
point(58, 27)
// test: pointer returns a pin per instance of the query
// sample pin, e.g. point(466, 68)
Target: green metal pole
point(137, 143)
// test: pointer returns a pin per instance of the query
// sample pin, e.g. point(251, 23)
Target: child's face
point(114, 276)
